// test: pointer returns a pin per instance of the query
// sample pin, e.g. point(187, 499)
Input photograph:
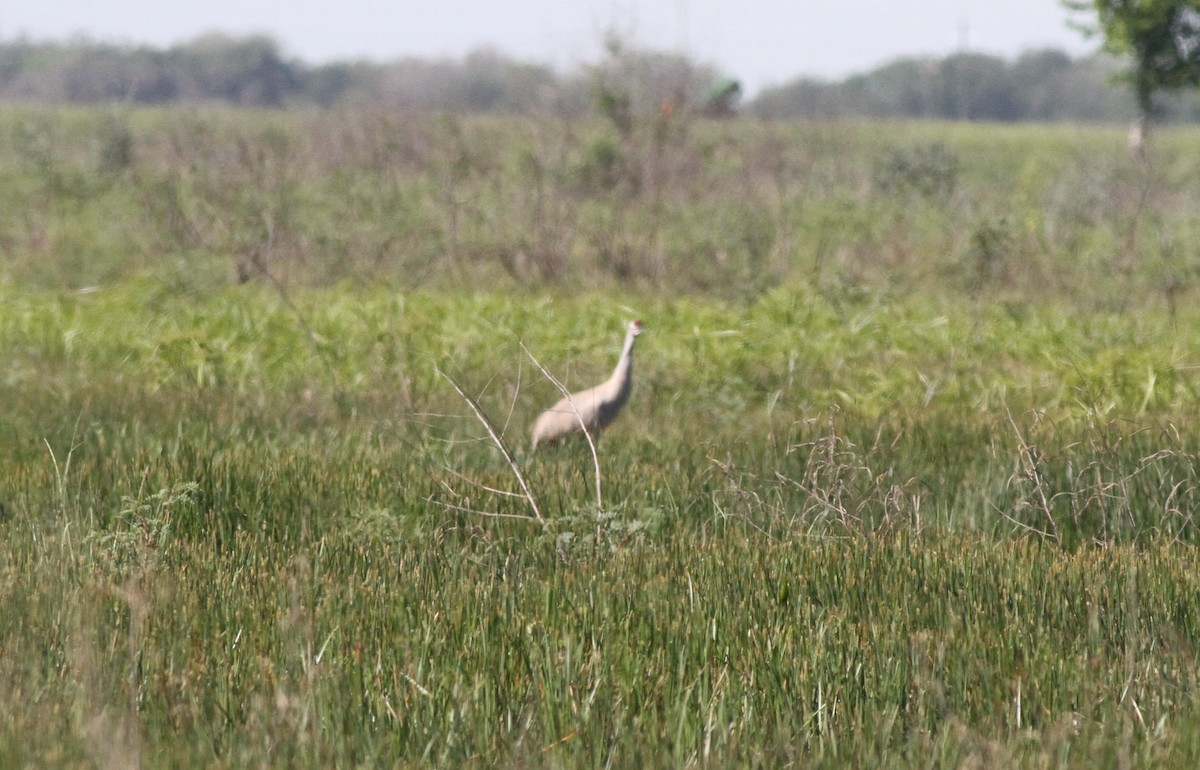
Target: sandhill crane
point(595, 407)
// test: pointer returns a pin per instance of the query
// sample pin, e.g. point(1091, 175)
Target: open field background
point(908, 478)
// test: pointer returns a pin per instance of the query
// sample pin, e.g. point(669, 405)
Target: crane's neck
point(621, 375)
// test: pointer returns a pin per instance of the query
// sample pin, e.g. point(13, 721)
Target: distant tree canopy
point(1044, 85)
point(1161, 39)
point(252, 71)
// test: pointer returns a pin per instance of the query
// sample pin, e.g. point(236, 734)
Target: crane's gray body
point(594, 408)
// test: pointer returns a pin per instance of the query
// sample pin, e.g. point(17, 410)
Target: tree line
point(1044, 85)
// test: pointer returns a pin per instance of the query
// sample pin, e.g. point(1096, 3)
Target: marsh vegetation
point(908, 477)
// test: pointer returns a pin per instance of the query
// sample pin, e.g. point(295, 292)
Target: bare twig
point(582, 423)
point(512, 405)
point(1022, 525)
point(503, 447)
point(1029, 466)
point(478, 512)
point(477, 484)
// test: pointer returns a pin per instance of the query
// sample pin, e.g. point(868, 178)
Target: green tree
point(1161, 36)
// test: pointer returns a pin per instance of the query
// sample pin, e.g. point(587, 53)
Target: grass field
point(908, 478)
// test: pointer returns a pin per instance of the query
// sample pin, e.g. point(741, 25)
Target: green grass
point(821, 562)
point(920, 493)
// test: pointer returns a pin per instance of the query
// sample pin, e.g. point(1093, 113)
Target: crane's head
point(635, 328)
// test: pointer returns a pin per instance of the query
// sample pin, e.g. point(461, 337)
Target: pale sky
point(761, 42)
